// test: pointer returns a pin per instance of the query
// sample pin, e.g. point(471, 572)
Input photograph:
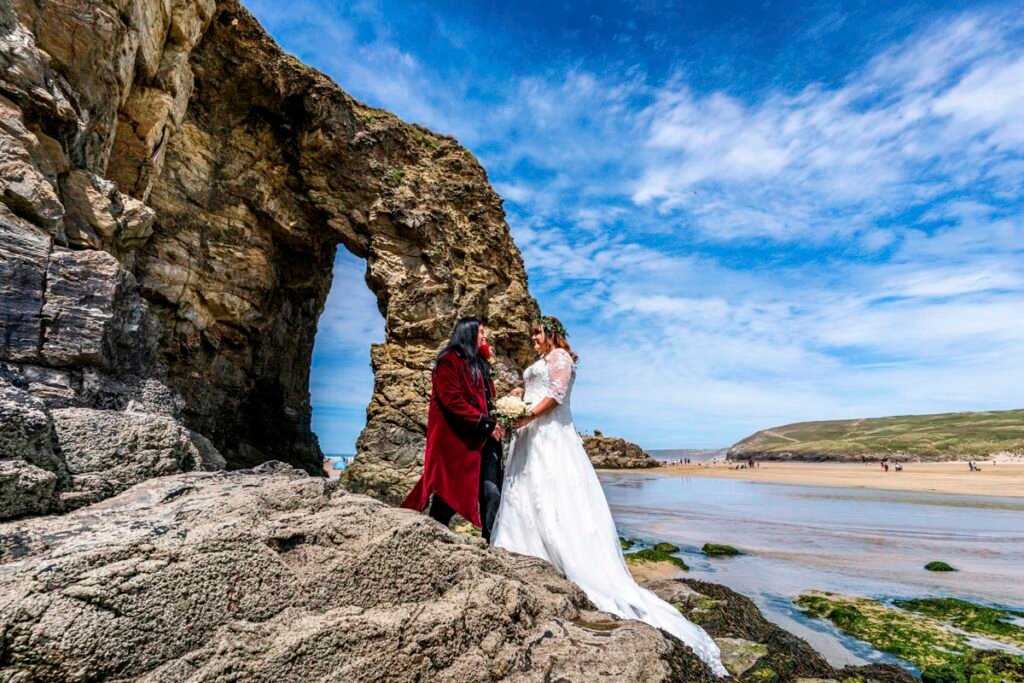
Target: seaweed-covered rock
point(719, 550)
point(939, 566)
point(778, 655)
point(981, 666)
point(654, 555)
point(272, 575)
point(921, 633)
point(986, 621)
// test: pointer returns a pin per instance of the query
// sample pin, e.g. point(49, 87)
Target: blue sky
point(746, 214)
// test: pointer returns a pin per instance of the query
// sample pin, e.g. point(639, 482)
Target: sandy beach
point(1006, 479)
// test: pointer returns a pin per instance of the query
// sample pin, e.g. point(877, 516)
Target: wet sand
point(654, 571)
point(1005, 479)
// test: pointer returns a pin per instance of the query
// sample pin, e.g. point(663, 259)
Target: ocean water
point(853, 541)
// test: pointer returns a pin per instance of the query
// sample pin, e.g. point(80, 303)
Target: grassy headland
point(946, 436)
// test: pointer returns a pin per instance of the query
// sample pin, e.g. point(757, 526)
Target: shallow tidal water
point(864, 542)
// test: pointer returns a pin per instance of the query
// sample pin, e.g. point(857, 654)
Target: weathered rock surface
point(107, 452)
point(272, 575)
point(24, 489)
point(173, 188)
point(612, 453)
point(53, 461)
point(30, 470)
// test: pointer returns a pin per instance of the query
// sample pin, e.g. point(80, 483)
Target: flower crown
point(552, 325)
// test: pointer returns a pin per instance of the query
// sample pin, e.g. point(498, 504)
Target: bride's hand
point(522, 422)
point(517, 392)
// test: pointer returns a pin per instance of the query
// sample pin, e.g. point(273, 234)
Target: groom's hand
point(498, 433)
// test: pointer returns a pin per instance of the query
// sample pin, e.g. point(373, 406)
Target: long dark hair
point(463, 342)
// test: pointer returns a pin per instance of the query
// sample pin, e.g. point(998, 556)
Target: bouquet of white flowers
point(510, 409)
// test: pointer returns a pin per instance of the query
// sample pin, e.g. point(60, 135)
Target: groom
point(462, 462)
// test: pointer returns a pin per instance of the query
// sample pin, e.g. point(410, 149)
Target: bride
point(552, 505)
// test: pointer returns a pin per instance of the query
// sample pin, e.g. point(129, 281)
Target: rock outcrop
point(173, 188)
point(273, 575)
point(611, 453)
point(58, 460)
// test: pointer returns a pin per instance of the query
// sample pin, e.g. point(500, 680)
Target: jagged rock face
point(172, 192)
point(62, 459)
point(272, 575)
point(612, 453)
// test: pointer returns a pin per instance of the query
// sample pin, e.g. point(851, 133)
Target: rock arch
point(246, 170)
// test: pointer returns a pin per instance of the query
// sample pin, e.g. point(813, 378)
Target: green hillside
point(947, 436)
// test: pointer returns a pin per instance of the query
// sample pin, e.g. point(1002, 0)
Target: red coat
point(458, 425)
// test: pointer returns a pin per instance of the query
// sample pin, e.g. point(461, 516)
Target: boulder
point(24, 489)
point(107, 451)
point(30, 470)
point(69, 457)
point(611, 453)
point(272, 575)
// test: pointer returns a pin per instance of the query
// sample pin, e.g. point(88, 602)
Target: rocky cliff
point(173, 188)
point(612, 453)
point(945, 436)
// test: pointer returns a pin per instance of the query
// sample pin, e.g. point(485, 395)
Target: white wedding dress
point(552, 507)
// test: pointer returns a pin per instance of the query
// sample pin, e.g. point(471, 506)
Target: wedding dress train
point(553, 507)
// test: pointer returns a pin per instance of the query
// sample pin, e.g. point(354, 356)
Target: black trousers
point(489, 496)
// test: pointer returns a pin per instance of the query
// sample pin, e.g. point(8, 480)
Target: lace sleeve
point(559, 374)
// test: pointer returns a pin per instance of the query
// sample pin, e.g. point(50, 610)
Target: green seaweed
point(626, 543)
point(968, 616)
point(918, 632)
point(938, 566)
point(719, 550)
point(666, 547)
point(910, 637)
point(982, 666)
point(652, 555)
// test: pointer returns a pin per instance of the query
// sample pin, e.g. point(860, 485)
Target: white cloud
point(728, 261)
point(923, 119)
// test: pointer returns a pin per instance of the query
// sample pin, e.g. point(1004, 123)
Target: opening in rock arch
point(341, 380)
